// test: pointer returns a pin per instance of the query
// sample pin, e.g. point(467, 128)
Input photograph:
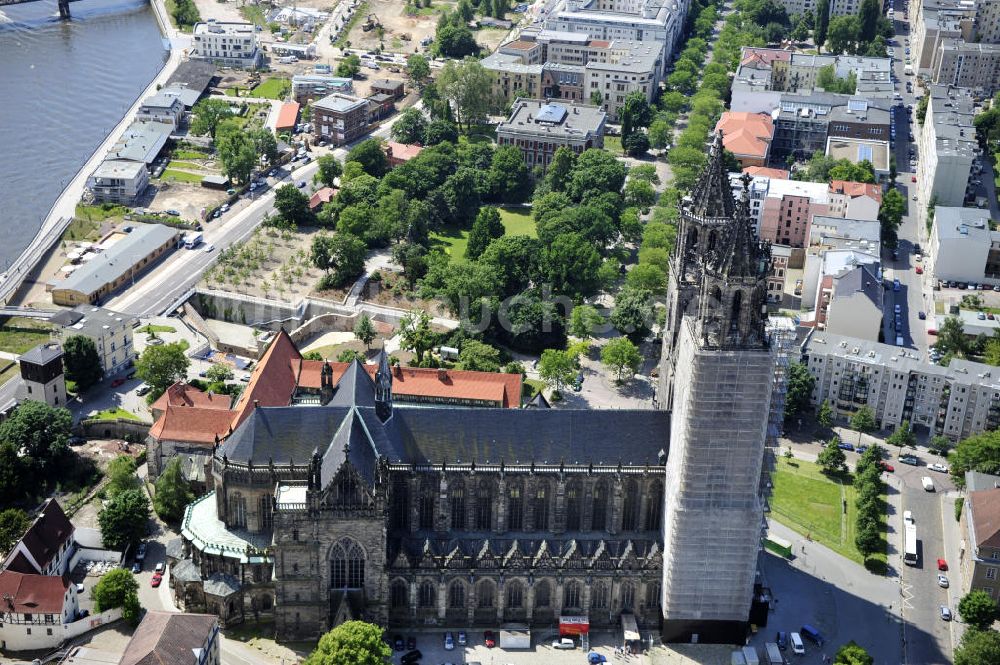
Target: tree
point(803, 25)
point(843, 34)
point(509, 179)
point(341, 256)
point(409, 127)
point(455, 42)
point(161, 367)
point(832, 458)
point(867, 537)
point(863, 420)
point(13, 523)
point(417, 67)
point(634, 112)
point(479, 357)
point(633, 312)
point(800, 387)
point(824, 416)
point(572, 265)
point(329, 169)
point(121, 475)
point(647, 277)
point(978, 647)
point(583, 320)
point(118, 588)
point(952, 339)
point(922, 108)
point(487, 227)
point(351, 643)
point(416, 334)
point(621, 356)
point(39, 434)
point(468, 86)
point(596, 172)
point(349, 67)
point(349, 356)
point(82, 364)
point(123, 520)
point(890, 213)
point(364, 330)
point(852, 654)
point(822, 23)
point(371, 155)
point(440, 131)
point(219, 373)
point(264, 143)
point(827, 79)
point(639, 193)
point(902, 436)
point(238, 155)
point(868, 17)
point(515, 261)
point(173, 492)
point(207, 114)
point(596, 98)
point(978, 609)
point(293, 205)
point(15, 475)
point(556, 368)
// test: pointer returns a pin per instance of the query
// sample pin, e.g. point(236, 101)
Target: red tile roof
point(321, 196)
point(765, 56)
point(168, 638)
point(288, 115)
point(504, 389)
point(43, 539)
point(986, 517)
point(854, 189)
point(402, 152)
point(599, 43)
point(746, 134)
point(192, 424)
point(184, 394)
point(32, 594)
point(273, 381)
point(780, 174)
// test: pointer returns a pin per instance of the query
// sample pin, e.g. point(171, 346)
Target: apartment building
point(110, 331)
point(162, 107)
point(511, 78)
point(310, 87)
point(797, 7)
point(804, 123)
point(854, 200)
point(118, 181)
point(981, 528)
point(934, 21)
point(849, 299)
point(849, 242)
point(226, 44)
point(540, 127)
point(963, 246)
point(747, 135)
point(947, 142)
point(967, 65)
point(757, 190)
point(987, 26)
point(340, 119)
point(788, 209)
point(955, 401)
point(776, 277)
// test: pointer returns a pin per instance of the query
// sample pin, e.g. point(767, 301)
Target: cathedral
point(361, 507)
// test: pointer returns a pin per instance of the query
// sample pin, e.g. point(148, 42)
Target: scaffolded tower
point(719, 370)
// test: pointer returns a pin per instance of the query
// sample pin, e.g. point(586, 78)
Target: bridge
point(63, 5)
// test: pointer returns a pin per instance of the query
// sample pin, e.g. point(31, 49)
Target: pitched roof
point(32, 594)
point(192, 424)
point(402, 152)
point(321, 196)
point(746, 134)
point(44, 538)
point(184, 394)
point(986, 517)
point(288, 115)
point(168, 638)
point(780, 174)
point(273, 381)
point(854, 189)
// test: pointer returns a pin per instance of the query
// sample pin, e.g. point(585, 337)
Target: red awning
point(574, 625)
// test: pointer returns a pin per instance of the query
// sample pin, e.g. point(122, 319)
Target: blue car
point(846, 446)
point(895, 285)
point(861, 449)
point(595, 658)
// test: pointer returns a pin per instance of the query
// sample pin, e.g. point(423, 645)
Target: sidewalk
point(954, 549)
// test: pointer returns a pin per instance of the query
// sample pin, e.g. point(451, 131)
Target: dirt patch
point(397, 24)
point(391, 291)
point(186, 198)
point(221, 11)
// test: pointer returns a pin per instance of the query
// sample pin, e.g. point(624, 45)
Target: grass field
point(273, 88)
point(152, 328)
point(82, 229)
point(18, 334)
point(254, 14)
point(809, 502)
point(181, 176)
point(184, 153)
point(516, 222)
point(118, 412)
point(7, 372)
point(175, 164)
point(613, 144)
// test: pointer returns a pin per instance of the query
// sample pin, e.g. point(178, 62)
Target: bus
point(910, 545)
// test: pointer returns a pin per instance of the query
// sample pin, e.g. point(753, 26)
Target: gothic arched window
point(628, 596)
point(571, 594)
point(630, 509)
point(515, 596)
point(427, 496)
point(599, 519)
point(599, 596)
point(347, 565)
point(573, 507)
point(237, 510)
point(654, 507)
point(426, 594)
point(398, 595)
point(457, 507)
point(456, 595)
point(347, 492)
point(653, 594)
point(541, 507)
point(542, 594)
point(485, 594)
point(265, 508)
point(515, 509)
point(400, 502)
point(484, 506)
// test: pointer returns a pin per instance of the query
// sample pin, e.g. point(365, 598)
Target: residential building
point(288, 117)
point(849, 300)
point(788, 209)
point(111, 332)
point(803, 123)
point(340, 119)
point(390, 87)
point(169, 638)
point(117, 264)
point(969, 65)
point(767, 172)
point(162, 107)
point(192, 79)
point(981, 529)
point(35, 610)
point(780, 254)
point(845, 7)
point(141, 142)
point(380, 106)
point(624, 68)
point(512, 78)
point(876, 153)
point(757, 192)
point(797, 7)
point(854, 200)
point(187, 424)
point(964, 247)
point(947, 146)
point(539, 127)
point(987, 26)
point(400, 153)
point(42, 376)
point(118, 181)
point(852, 239)
point(747, 135)
point(47, 547)
point(933, 22)
point(308, 88)
point(955, 401)
point(226, 44)
point(321, 197)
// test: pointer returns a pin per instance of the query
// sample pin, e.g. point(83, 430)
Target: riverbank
point(29, 264)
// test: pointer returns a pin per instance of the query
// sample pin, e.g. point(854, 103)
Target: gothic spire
point(712, 195)
point(743, 253)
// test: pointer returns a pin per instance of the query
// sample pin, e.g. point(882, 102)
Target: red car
point(117, 382)
point(489, 640)
point(887, 467)
point(920, 271)
point(155, 582)
point(913, 178)
point(942, 564)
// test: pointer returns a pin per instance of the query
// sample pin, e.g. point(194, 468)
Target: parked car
point(136, 568)
point(919, 270)
point(945, 613)
point(937, 466)
point(921, 315)
point(411, 643)
point(300, 184)
point(943, 581)
point(887, 467)
point(463, 639)
point(79, 588)
point(155, 582)
point(489, 639)
point(117, 382)
point(449, 641)
point(942, 565)
point(77, 441)
point(173, 213)
point(909, 459)
point(564, 643)
point(846, 446)
point(397, 643)
point(782, 639)
point(159, 568)
point(411, 657)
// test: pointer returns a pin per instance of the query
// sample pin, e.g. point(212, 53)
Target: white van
point(797, 646)
point(907, 517)
point(927, 483)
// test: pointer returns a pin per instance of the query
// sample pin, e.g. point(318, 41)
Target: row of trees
point(869, 488)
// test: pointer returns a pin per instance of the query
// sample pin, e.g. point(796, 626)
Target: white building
point(967, 65)
point(42, 377)
point(162, 107)
point(963, 248)
point(36, 609)
point(118, 181)
point(849, 294)
point(948, 146)
point(111, 332)
point(47, 547)
point(226, 44)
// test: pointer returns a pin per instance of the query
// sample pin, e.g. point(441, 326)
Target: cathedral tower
point(717, 371)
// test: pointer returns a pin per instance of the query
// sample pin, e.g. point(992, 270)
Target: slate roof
point(168, 638)
point(42, 354)
point(221, 584)
point(44, 537)
point(185, 571)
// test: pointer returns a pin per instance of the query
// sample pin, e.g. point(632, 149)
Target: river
point(64, 85)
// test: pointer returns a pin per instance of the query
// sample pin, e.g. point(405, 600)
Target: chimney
point(442, 374)
point(256, 403)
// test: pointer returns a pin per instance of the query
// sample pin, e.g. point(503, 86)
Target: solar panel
point(865, 152)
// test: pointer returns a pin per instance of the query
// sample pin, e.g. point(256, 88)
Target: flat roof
point(339, 103)
point(90, 320)
point(141, 142)
point(111, 264)
point(223, 27)
point(118, 168)
point(857, 150)
point(545, 118)
point(954, 223)
point(160, 100)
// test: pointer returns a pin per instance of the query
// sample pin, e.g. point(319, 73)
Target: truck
point(193, 239)
point(774, 656)
point(750, 655)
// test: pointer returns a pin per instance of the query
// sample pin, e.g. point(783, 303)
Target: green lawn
point(117, 412)
point(151, 328)
point(516, 222)
point(82, 228)
point(185, 153)
point(810, 503)
point(253, 14)
point(613, 144)
point(181, 176)
point(18, 334)
point(533, 387)
point(174, 164)
point(99, 213)
point(275, 87)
